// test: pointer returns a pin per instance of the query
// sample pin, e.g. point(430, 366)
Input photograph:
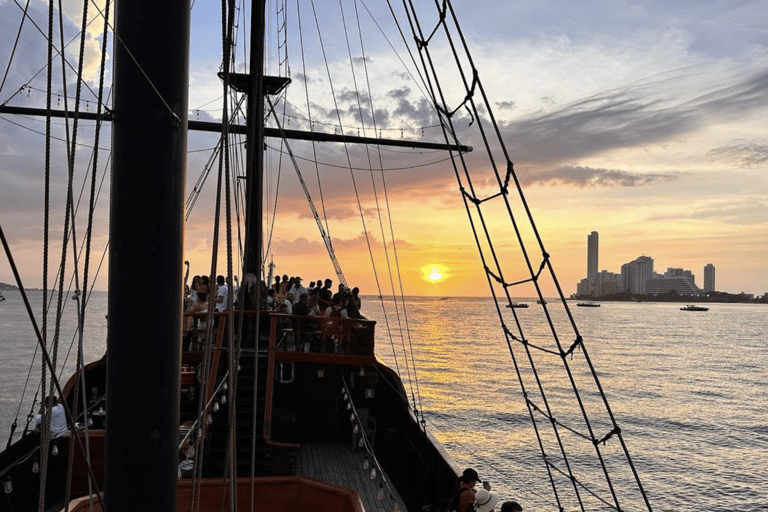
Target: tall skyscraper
point(635, 273)
point(709, 277)
point(592, 249)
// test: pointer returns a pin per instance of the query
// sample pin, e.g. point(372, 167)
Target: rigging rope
point(326, 238)
point(487, 251)
point(417, 406)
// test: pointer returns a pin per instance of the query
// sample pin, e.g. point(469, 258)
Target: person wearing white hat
point(485, 500)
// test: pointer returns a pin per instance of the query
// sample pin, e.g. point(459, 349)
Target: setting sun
point(434, 273)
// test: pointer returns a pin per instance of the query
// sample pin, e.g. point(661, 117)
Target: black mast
point(149, 141)
point(254, 158)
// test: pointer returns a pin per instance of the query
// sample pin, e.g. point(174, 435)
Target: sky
point(643, 121)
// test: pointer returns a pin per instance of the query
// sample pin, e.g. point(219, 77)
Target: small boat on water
point(693, 307)
point(588, 305)
point(517, 305)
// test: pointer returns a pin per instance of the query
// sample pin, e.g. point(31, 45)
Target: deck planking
point(337, 464)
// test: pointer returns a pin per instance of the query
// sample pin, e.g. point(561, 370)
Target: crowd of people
point(469, 499)
point(197, 296)
point(282, 296)
point(285, 295)
point(288, 295)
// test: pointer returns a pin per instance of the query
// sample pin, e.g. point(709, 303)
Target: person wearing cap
point(467, 482)
point(485, 500)
point(297, 289)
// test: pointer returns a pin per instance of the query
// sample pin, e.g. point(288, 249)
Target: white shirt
point(223, 292)
point(58, 421)
point(297, 291)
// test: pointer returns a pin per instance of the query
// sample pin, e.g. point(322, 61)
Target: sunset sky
point(643, 121)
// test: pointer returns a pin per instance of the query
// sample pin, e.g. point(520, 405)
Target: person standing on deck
point(297, 290)
point(221, 294)
point(466, 493)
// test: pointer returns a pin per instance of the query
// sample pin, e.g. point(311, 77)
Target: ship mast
point(254, 157)
point(149, 145)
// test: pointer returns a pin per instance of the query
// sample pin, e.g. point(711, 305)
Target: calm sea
point(688, 389)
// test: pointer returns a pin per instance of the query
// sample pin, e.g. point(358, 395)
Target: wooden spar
point(207, 126)
point(149, 146)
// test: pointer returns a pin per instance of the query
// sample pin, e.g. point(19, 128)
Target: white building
point(635, 273)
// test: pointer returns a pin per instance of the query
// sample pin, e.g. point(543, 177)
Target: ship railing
point(323, 335)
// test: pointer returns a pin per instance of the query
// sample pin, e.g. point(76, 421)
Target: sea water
point(688, 389)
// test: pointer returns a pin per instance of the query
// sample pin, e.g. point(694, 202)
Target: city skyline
point(640, 277)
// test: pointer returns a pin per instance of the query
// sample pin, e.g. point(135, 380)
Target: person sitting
point(511, 506)
point(58, 417)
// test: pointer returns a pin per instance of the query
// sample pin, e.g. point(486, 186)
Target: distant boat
point(588, 304)
point(541, 301)
point(1, 297)
point(693, 307)
point(517, 305)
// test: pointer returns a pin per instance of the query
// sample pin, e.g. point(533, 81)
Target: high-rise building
point(682, 281)
point(709, 277)
point(635, 273)
point(592, 251)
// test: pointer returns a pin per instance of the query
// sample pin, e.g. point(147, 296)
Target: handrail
point(267, 429)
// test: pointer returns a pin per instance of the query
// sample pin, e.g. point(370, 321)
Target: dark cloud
point(742, 153)
point(626, 118)
point(590, 177)
point(419, 113)
point(301, 77)
point(399, 93)
point(506, 105)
